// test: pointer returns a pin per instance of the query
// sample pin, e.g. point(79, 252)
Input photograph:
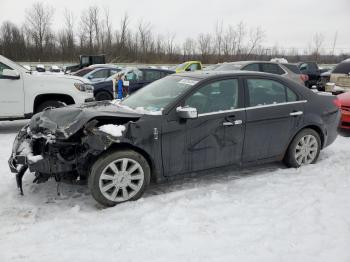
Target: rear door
point(273, 113)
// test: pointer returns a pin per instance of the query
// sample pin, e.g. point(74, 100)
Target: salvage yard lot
point(266, 213)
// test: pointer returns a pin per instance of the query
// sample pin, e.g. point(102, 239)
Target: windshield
point(159, 94)
point(181, 66)
point(228, 67)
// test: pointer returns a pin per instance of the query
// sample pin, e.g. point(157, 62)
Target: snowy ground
point(260, 214)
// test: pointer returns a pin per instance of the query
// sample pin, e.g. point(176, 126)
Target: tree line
point(93, 33)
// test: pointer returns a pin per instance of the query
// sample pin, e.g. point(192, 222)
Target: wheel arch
point(146, 155)
point(39, 99)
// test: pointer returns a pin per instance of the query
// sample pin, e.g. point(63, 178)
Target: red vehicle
point(344, 105)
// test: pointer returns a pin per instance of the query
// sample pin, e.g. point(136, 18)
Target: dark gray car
point(178, 125)
point(262, 66)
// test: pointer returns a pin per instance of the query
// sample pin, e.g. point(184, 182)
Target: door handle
point(233, 123)
point(296, 113)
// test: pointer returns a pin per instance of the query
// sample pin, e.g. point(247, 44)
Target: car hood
point(55, 76)
point(65, 122)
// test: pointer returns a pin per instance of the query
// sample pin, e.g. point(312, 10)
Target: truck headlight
point(84, 87)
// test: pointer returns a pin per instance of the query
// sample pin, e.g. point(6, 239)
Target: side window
point(272, 69)
point(194, 67)
point(151, 75)
point(214, 97)
point(113, 72)
point(133, 77)
point(303, 67)
point(2, 67)
point(267, 92)
point(252, 67)
point(163, 74)
point(103, 73)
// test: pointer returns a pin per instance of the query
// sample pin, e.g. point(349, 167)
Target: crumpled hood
point(66, 121)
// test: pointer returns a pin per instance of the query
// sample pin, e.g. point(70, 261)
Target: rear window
point(294, 68)
point(342, 68)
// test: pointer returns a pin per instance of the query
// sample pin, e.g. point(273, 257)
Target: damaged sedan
point(181, 124)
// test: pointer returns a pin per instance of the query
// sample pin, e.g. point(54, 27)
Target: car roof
point(201, 75)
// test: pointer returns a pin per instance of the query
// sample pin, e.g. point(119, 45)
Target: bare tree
point(317, 44)
point(38, 24)
point(219, 38)
point(205, 46)
point(255, 39)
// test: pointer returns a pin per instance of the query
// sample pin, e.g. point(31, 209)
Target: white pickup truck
point(22, 93)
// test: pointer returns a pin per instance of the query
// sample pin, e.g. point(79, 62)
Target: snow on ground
point(267, 213)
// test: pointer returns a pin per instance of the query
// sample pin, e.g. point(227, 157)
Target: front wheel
point(118, 177)
point(49, 104)
point(304, 149)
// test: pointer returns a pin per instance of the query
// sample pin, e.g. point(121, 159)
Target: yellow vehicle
point(189, 66)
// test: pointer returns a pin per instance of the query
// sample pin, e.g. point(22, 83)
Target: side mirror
point(10, 74)
point(90, 77)
point(187, 112)
point(188, 69)
point(303, 68)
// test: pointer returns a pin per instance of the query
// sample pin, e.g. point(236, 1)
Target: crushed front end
point(64, 149)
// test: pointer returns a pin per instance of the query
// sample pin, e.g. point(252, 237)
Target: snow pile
point(265, 213)
point(113, 130)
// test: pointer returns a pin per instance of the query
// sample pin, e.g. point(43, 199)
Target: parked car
point(344, 105)
point(84, 61)
point(189, 66)
point(135, 77)
point(312, 70)
point(181, 124)
point(87, 70)
point(40, 68)
point(54, 69)
point(24, 93)
point(339, 78)
point(261, 66)
point(295, 69)
point(101, 74)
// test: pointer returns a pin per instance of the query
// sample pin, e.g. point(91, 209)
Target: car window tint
point(113, 71)
point(251, 67)
point(163, 74)
point(103, 73)
point(214, 97)
point(294, 68)
point(272, 69)
point(151, 75)
point(266, 92)
point(2, 67)
point(291, 96)
point(194, 67)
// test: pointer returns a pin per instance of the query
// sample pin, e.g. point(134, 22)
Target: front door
point(12, 95)
point(215, 138)
point(274, 112)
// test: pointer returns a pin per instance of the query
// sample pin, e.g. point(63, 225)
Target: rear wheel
point(49, 104)
point(304, 149)
point(118, 177)
point(101, 96)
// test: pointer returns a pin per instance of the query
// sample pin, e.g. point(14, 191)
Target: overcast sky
point(287, 23)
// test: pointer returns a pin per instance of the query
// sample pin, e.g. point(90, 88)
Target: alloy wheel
point(121, 180)
point(306, 150)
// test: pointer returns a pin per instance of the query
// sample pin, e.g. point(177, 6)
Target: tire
point(49, 104)
point(103, 95)
point(108, 182)
point(304, 149)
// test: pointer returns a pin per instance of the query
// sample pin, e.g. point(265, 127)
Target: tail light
point(337, 103)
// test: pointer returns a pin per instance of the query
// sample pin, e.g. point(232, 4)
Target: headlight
point(84, 87)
